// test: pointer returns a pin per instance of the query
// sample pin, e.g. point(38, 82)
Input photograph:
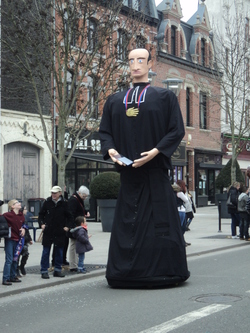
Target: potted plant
point(224, 181)
point(105, 188)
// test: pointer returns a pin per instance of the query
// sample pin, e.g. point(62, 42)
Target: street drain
point(217, 298)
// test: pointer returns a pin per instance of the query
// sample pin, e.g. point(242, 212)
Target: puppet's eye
point(131, 61)
point(140, 61)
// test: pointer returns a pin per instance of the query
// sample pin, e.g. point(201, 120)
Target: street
point(214, 299)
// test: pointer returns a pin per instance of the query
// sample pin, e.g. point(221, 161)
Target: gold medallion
point(132, 112)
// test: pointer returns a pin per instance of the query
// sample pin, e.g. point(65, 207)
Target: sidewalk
point(204, 238)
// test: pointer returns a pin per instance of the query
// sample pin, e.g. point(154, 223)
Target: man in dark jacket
point(55, 219)
point(76, 206)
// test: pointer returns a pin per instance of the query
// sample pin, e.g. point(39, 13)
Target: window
point(203, 53)
point(92, 35)
point(203, 110)
point(71, 98)
point(247, 29)
point(247, 115)
point(247, 70)
point(70, 28)
point(188, 116)
point(122, 45)
point(93, 99)
point(227, 111)
point(227, 59)
point(173, 40)
point(140, 42)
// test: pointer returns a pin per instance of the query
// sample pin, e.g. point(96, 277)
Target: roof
point(200, 12)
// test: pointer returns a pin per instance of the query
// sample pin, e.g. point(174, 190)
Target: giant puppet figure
point(145, 125)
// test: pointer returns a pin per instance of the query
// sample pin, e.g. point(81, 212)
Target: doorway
point(21, 172)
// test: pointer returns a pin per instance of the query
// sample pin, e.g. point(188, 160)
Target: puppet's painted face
point(139, 65)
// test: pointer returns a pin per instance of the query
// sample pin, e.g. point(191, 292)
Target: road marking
point(173, 324)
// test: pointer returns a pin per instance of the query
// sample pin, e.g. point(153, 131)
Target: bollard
point(219, 208)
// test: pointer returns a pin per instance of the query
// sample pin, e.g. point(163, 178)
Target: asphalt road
point(216, 299)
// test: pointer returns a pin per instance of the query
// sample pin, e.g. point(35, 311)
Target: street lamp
point(151, 76)
point(174, 85)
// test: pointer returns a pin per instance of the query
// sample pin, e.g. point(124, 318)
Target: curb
point(217, 249)
point(54, 283)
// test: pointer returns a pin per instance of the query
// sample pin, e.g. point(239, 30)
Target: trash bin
point(35, 205)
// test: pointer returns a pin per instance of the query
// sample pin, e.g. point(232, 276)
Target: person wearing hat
point(54, 218)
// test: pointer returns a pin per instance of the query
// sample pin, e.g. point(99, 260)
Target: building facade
point(230, 22)
point(186, 55)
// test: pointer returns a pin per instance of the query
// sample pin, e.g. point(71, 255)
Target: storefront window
point(202, 185)
point(177, 173)
point(70, 181)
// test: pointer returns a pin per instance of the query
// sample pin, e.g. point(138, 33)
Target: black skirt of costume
point(147, 248)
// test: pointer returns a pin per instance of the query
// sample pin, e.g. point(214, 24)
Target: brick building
point(186, 54)
point(182, 53)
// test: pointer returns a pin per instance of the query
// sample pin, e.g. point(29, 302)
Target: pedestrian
point(80, 233)
point(182, 201)
point(232, 195)
point(145, 126)
point(190, 209)
point(244, 216)
point(54, 218)
point(77, 208)
point(66, 244)
point(16, 223)
point(24, 255)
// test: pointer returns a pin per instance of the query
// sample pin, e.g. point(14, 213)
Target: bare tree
point(67, 56)
point(231, 40)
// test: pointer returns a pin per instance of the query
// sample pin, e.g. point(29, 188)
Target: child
point(24, 253)
point(80, 233)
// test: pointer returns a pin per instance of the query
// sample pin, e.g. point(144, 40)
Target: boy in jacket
point(80, 233)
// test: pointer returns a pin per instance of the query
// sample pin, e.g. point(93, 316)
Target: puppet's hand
point(112, 153)
point(146, 157)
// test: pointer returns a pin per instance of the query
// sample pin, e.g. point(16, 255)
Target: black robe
point(146, 246)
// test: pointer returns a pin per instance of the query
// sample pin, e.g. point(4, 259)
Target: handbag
point(229, 202)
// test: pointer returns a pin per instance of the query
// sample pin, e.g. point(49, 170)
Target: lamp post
point(173, 85)
point(151, 76)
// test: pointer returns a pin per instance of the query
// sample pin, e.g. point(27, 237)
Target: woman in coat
point(233, 192)
point(15, 219)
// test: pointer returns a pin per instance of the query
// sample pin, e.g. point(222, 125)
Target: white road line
point(173, 324)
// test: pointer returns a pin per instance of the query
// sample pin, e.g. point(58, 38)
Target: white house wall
point(12, 129)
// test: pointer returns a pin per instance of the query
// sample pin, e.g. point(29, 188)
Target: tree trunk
point(233, 169)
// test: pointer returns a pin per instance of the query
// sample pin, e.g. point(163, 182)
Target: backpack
point(232, 200)
point(179, 202)
point(248, 205)
point(4, 227)
point(242, 203)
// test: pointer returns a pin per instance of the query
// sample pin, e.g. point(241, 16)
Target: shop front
point(207, 167)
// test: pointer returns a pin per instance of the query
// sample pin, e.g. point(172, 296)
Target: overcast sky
point(189, 7)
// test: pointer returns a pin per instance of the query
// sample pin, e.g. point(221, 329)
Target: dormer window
point(203, 53)
point(173, 40)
